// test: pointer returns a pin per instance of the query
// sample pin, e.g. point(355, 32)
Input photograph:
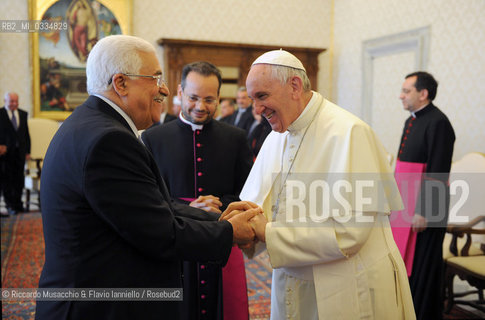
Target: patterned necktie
point(14, 121)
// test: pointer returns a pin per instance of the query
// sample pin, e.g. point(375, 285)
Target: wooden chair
point(41, 133)
point(468, 267)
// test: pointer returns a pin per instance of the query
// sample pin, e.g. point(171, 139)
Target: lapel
point(4, 114)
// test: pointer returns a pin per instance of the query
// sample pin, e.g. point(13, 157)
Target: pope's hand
point(235, 208)
point(258, 223)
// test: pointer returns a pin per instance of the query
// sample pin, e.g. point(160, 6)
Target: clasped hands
point(248, 223)
point(247, 219)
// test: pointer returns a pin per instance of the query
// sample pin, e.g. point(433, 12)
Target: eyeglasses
point(194, 99)
point(160, 80)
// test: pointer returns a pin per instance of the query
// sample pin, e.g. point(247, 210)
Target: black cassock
point(428, 138)
point(213, 161)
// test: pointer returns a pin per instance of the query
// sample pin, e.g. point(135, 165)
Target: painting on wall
point(67, 32)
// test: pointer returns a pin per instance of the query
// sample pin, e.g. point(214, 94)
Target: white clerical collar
point(308, 113)
point(193, 125)
point(122, 113)
point(414, 112)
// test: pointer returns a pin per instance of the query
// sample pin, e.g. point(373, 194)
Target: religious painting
point(68, 31)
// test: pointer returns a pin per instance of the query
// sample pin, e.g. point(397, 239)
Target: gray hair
point(8, 93)
point(283, 73)
point(112, 55)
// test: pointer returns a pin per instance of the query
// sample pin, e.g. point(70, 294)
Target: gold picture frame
point(58, 87)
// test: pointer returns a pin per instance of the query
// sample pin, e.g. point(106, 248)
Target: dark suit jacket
point(169, 117)
point(258, 135)
point(246, 119)
point(10, 137)
point(109, 221)
point(227, 119)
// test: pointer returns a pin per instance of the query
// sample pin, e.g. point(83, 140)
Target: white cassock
point(327, 265)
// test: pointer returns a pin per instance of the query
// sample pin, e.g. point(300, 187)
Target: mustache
point(160, 97)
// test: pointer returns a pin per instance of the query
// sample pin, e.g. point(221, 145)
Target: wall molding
point(416, 41)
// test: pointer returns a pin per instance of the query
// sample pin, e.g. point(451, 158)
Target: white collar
point(11, 111)
point(414, 112)
point(308, 113)
point(193, 125)
point(122, 113)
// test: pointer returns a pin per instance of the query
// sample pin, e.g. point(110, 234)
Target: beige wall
point(456, 58)
point(15, 70)
point(456, 53)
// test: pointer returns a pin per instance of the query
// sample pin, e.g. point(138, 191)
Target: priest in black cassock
point(205, 164)
point(426, 147)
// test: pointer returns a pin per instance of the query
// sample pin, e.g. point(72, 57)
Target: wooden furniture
point(178, 53)
point(468, 267)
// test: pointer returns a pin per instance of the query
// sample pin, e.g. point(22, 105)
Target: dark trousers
point(12, 178)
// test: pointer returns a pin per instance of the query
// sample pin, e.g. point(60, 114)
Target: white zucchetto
point(279, 58)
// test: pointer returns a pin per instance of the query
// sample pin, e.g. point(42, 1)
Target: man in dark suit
point(259, 130)
point(228, 107)
point(243, 118)
point(14, 150)
point(108, 219)
point(200, 157)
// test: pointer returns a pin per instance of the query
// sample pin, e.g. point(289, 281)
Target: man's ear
point(297, 86)
point(423, 95)
point(179, 91)
point(120, 85)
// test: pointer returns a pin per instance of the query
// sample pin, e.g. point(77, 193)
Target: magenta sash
point(234, 289)
point(188, 199)
point(408, 177)
point(235, 292)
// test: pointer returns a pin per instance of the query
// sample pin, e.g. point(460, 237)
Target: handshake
point(247, 219)
point(248, 223)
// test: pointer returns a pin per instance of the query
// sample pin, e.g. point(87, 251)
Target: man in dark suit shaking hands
point(14, 150)
point(108, 219)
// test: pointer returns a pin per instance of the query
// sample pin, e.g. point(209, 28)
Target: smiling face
point(145, 98)
point(199, 97)
point(273, 100)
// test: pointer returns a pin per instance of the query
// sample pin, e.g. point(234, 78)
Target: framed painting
point(66, 31)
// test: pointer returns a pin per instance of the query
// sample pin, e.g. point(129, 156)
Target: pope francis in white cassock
point(334, 257)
